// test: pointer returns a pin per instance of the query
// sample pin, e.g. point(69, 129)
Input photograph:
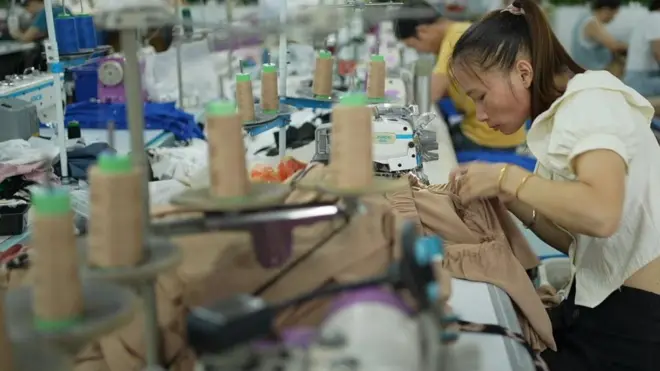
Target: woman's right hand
point(458, 171)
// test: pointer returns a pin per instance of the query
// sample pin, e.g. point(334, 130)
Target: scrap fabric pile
point(22, 165)
point(280, 173)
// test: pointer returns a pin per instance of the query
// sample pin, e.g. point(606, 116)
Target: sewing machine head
point(397, 147)
point(111, 79)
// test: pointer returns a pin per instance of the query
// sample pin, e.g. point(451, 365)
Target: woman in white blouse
point(595, 194)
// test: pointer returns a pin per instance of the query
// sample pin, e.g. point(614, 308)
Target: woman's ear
point(526, 72)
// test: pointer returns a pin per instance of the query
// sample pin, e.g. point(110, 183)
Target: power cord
point(333, 290)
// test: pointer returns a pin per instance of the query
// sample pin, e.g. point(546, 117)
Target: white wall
point(564, 19)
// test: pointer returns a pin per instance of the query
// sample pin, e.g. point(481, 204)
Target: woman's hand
point(480, 180)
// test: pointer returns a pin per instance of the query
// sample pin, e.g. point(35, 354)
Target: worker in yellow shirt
point(438, 35)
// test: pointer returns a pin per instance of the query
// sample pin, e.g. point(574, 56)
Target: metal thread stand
point(53, 56)
point(135, 112)
point(179, 68)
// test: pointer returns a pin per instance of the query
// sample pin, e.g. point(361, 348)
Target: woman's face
point(502, 98)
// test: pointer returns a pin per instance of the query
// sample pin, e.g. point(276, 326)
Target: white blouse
point(598, 111)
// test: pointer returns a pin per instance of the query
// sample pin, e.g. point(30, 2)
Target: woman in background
point(593, 47)
point(643, 64)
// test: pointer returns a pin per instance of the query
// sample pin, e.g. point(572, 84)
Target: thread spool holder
point(264, 118)
point(160, 256)
point(107, 308)
point(37, 356)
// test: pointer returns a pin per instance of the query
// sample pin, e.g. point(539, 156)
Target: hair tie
point(515, 10)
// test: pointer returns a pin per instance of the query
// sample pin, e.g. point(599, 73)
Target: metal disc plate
point(161, 255)
point(111, 73)
point(263, 118)
point(107, 308)
point(261, 195)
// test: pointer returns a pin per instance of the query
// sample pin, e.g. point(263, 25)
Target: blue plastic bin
point(86, 82)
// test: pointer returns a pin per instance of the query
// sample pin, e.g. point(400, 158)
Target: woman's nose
point(481, 113)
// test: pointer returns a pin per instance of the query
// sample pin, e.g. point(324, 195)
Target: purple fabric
point(394, 94)
point(299, 337)
point(374, 295)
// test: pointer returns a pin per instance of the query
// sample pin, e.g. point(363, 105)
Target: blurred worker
point(432, 33)
point(642, 67)
point(38, 29)
point(593, 47)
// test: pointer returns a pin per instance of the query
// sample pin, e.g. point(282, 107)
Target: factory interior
point(237, 236)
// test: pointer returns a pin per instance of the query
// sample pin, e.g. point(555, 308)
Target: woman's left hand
point(480, 180)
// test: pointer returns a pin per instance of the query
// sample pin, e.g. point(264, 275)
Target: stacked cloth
point(22, 165)
point(481, 243)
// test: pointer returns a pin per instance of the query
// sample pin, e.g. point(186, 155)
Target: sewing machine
point(397, 147)
point(35, 87)
point(111, 79)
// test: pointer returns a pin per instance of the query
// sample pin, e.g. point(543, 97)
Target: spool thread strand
point(228, 175)
point(115, 238)
point(351, 146)
point(245, 100)
point(322, 84)
point(66, 35)
point(57, 290)
point(269, 93)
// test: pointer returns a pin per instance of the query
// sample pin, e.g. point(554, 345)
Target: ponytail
point(549, 57)
point(498, 38)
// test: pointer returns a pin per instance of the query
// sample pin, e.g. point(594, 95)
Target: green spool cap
point(56, 201)
point(354, 100)
point(55, 326)
point(111, 163)
point(221, 108)
point(377, 58)
point(84, 15)
point(269, 67)
point(73, 124)
point(325, 54)
point(242, 77)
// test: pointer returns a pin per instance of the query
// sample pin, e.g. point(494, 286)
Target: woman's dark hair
point(654, 5)
point(496, 41)
point(605, 4)
point(406, 27)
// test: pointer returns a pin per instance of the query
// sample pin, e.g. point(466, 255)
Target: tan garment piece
point(482, 244)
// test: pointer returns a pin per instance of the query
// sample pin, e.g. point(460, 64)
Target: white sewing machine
point(37, 88)
point(396, 131)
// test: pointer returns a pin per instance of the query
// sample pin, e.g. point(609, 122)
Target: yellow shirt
point(474, 129)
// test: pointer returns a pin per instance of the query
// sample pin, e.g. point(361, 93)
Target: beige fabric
point(481, 244)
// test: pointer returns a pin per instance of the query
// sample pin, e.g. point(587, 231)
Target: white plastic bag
point(199, 78)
